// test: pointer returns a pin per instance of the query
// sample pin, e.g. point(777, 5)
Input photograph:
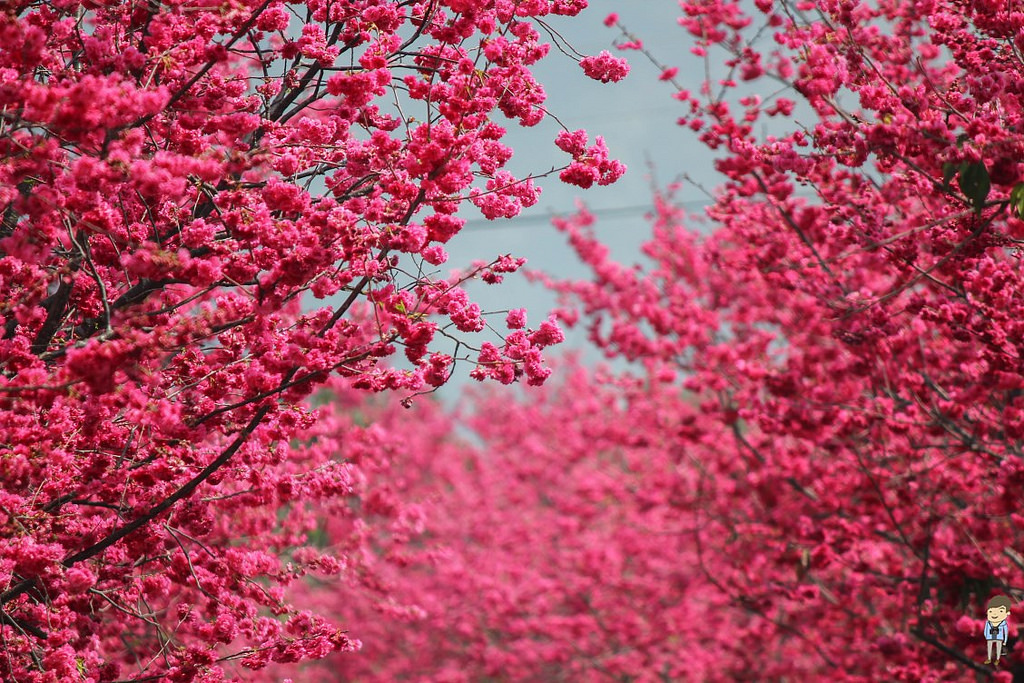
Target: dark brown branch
point(955, 654)
point(188, 488)
point(287, 382)
point(142, 120)
point(183, 492)
point(21, 625)
point(55, 305)
point(137, 294)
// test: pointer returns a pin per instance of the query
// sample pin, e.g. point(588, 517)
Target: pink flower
point(79, 580)
point(435, 254)
point(574, 143)
point(547, 334)
point(605, 67)
point(590, 164)
point(516, 319)
point(966, 625)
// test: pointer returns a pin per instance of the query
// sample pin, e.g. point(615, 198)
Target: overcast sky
point(637, 119)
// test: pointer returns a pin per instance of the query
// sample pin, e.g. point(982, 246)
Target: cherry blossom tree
point(208, 214)
point(551, 549)
point(813, 469)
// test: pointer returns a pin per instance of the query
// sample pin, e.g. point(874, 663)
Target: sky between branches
point(637, 119)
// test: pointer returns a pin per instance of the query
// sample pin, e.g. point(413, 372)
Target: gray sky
point(636, 117)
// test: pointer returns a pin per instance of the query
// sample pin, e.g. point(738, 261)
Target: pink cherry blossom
point(810, 466)
point(604, 67)
point(207, 218)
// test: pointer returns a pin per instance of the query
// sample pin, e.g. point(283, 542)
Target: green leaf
point(1017, 199)
point(949, 169)
point(974, 183)
point(400, 307)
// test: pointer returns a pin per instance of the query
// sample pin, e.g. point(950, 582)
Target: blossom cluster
point(589, 164)
point(845, 342)
point(812, 468)
point(203, 212)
